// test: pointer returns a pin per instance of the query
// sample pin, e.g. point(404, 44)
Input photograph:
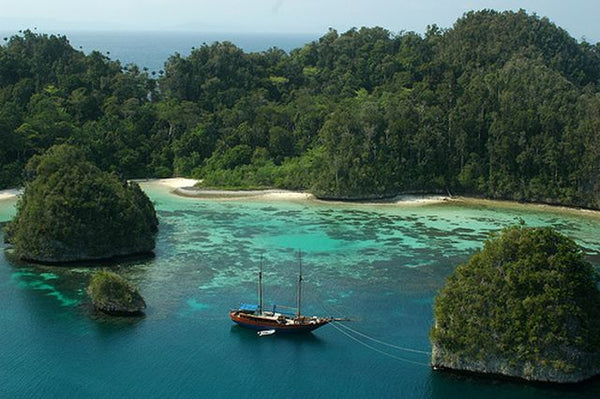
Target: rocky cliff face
point(588, 366)
point(526, 306)
point(57, 252)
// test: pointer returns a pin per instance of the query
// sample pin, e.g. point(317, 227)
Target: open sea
point(380, 265)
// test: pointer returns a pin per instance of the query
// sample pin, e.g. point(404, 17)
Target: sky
point(578, 17)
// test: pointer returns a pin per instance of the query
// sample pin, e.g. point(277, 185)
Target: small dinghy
point(262, 333)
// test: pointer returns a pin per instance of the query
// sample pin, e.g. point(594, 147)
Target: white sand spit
point(177, 182)
point(10, 193)
point(275, 195)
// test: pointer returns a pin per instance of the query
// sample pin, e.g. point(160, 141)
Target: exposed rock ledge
point(588, 367)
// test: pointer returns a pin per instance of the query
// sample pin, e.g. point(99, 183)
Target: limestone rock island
point(72, 211)
point(526, 306)
point(112, 294)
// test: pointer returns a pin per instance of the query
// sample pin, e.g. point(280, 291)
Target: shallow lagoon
point(381, 265)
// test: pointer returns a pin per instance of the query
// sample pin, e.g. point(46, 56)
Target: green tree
point(529, 297)
point(72, 211)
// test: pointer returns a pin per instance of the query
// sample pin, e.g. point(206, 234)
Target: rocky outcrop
point(527, 306)
point(588, 366)
point(113, 295)
point(72, 211)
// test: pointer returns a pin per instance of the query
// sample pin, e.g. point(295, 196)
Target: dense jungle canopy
point(72, 211)
point(501, 105)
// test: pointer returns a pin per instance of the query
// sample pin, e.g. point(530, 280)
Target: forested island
point(501, 105)
point(72, 211)
point(526, 306)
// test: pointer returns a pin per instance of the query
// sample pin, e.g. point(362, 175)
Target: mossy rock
point(526, 306)
point(112, 294)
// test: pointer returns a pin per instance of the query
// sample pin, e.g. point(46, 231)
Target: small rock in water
point(113, 295)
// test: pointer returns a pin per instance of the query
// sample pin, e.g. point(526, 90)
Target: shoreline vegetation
point(501, 105)
point(185, 187)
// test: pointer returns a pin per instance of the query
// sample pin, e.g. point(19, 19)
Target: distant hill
point(501, 105)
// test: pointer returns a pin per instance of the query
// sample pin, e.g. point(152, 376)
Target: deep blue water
point(152, 49)
point(379, 265)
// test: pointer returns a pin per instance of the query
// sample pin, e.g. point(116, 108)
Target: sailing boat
point(255, 317)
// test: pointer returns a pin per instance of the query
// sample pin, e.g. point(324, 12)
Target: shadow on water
point(246, 335)
point(468, 385)
point(107, 325)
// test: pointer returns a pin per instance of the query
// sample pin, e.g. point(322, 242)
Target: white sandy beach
point(276, 195)
point(185, 188)
point(420, 199)
point(10, 193)
point(177, 182)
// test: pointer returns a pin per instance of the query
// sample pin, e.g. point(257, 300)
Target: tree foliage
point(502, 105)
point(114, 295)
point(70, 210)
point(528, 296)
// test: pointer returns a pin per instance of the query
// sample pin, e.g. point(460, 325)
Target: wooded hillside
point(501, 105)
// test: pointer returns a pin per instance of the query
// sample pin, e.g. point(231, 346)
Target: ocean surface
point(151, 49)
point(380, 265)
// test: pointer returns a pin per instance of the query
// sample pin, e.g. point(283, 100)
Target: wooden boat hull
point(261, 323)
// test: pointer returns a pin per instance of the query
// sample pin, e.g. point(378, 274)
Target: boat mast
point(299, 298)
point(260, 289)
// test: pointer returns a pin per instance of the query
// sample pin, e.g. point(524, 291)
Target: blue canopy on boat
point(249, 307)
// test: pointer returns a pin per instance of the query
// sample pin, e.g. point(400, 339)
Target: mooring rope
point(337, 326)
point(333, 324)
point(385, 343)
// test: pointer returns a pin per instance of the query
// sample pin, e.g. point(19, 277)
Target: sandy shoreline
point(286, 195)
point(175, 182)
point(185, 188)
point(10, 193)
point(472, 201)
point(242, 194)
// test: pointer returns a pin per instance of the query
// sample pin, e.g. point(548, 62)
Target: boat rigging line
point(334, 324)
point(401, 348)
point(349, 331)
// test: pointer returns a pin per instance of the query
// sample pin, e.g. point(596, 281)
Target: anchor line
point(401, 348)
point(376, 349)
point(385, 343)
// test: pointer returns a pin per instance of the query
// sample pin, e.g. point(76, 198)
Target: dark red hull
point(282, 325)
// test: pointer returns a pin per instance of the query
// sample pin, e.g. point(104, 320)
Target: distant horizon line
point(79, 30)
point(35, 29)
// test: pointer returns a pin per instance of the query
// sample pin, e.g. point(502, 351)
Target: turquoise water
point(380, 265)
